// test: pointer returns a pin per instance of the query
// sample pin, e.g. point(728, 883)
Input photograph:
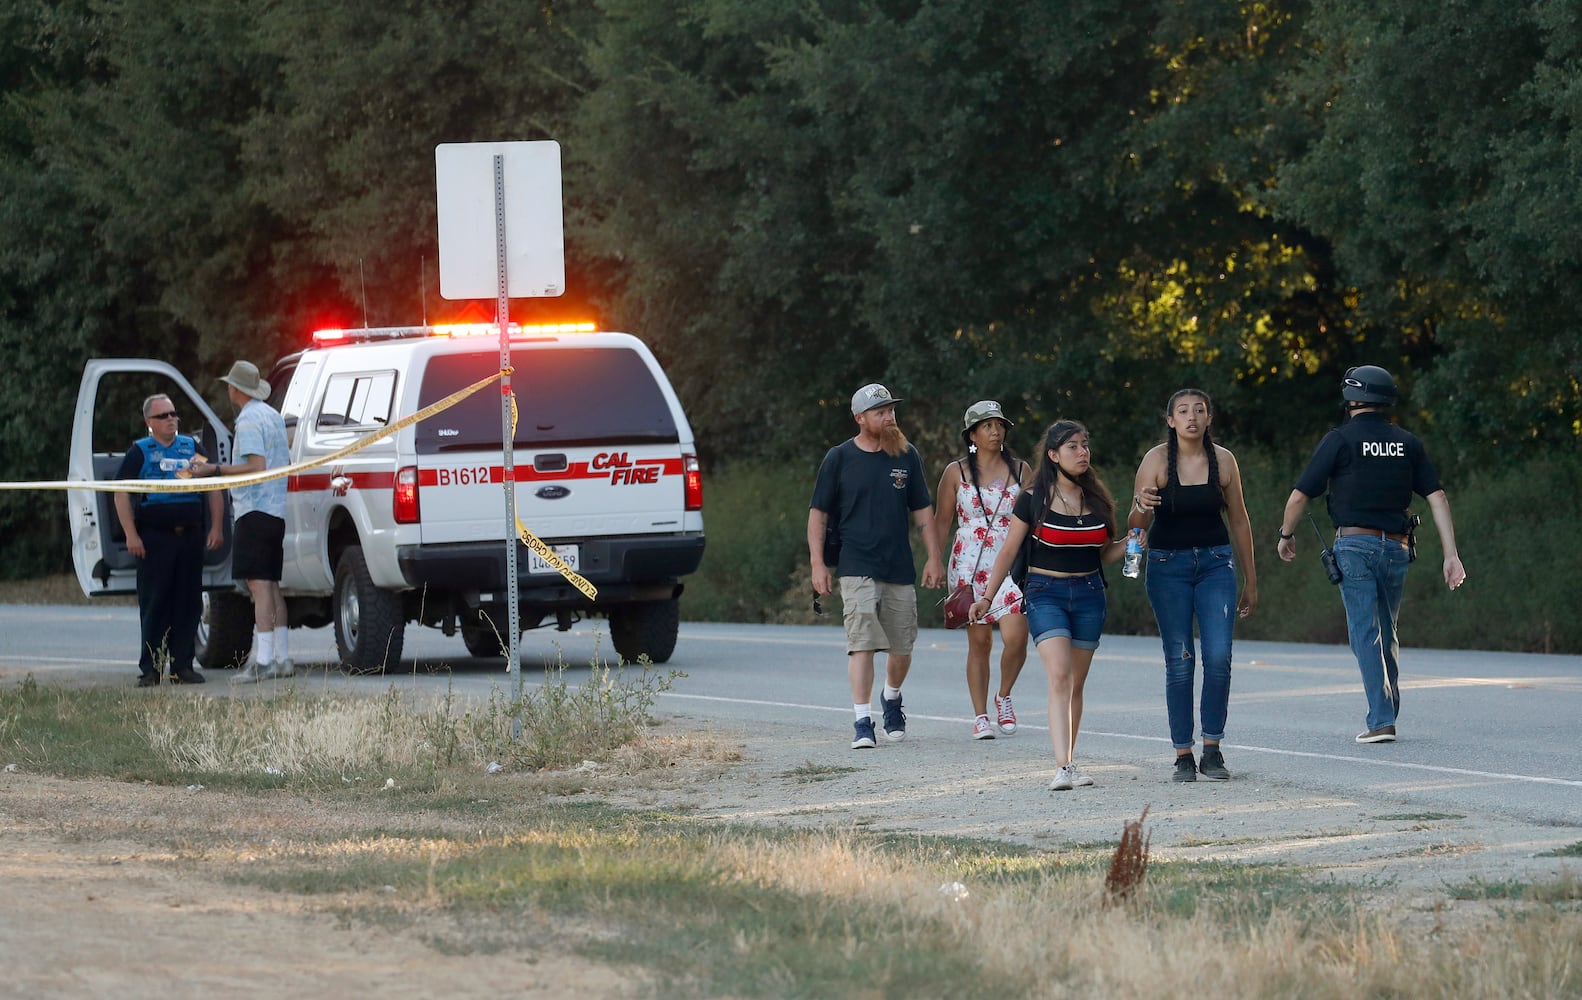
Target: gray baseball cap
point(869, 397)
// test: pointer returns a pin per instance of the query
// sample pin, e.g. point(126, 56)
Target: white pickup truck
point(413, 527)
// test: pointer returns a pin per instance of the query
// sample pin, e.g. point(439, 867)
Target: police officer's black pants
point(169, 596)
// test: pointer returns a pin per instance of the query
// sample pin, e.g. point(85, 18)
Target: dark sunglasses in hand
point(818, 609)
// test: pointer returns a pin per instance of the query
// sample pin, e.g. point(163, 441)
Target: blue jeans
point(1374, 571)
point(1073, 607)
point(1183, 584)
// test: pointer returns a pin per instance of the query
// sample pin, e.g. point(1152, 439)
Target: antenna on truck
point(364, 279)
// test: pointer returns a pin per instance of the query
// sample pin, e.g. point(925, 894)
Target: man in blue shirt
point(165, 532)
point(258, 549)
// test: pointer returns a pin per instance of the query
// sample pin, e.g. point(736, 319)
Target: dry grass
point(1045, 925)
point(60, 588)
point(1130, 862)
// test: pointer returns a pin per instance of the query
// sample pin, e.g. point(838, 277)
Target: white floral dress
point(980, 533)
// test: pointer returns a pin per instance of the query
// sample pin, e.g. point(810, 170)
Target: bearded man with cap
point(1370, 468)
point(258, 546)
point(872, 489)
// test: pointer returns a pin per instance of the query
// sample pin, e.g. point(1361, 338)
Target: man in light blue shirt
point(258, 548)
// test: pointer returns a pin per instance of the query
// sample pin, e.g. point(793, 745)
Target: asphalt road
point(1492, 732)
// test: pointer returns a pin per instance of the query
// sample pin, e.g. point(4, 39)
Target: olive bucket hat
point(977, 413)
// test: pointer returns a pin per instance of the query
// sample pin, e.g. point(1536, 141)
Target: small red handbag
point(957, 604)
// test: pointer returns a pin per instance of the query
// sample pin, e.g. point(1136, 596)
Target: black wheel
point(225, 632)
point(369, 628)
point(645, 627)
point(482, 641)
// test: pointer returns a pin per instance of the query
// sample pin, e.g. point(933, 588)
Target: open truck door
point(107, 420)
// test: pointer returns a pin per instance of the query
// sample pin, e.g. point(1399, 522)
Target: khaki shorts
point(879, 616)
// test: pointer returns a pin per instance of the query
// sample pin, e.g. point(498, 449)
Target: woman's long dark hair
point(1171, 479)
point(1094, 492)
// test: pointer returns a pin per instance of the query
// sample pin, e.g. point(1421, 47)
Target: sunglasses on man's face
point(167, 415)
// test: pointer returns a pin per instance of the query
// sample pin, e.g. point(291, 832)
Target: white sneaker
point(250, 674)
point(1079, 777)
point(1005, 714)
point(1063, 780)
point(981, 729)
point(280, 668)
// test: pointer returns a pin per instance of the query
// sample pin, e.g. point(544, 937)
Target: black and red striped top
point(1064, 543)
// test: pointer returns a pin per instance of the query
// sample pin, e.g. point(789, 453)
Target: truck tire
point(369, 627)
point(481, 641)
point(225, 632)
point(645, 627)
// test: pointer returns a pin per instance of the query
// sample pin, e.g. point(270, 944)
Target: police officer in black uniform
point(1371, 468)
point(165, 531)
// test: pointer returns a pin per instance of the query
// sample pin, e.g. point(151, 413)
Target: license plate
point(570, 553)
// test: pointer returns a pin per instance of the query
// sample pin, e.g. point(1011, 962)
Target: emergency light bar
point(361, 335)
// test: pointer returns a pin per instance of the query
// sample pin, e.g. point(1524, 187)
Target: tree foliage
point(1072, 207)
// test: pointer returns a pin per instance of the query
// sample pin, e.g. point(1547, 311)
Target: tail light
point(405, 500)
point(694, 482)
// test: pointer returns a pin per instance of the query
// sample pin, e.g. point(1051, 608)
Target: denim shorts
point(1070, 607)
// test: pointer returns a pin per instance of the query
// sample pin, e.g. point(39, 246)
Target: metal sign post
point(531, 264)
point(513, 662)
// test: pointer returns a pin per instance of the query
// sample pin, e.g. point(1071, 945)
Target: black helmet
point(1369, 384)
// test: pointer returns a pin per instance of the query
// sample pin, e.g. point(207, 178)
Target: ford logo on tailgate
point(552, 492)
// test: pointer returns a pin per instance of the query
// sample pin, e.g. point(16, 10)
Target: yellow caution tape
point(250, 478)
point(531, 540)
point(535, 543)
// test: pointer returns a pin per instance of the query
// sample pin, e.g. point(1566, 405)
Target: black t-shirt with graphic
point(871, 497)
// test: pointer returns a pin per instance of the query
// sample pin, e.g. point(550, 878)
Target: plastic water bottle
point(1134, 553)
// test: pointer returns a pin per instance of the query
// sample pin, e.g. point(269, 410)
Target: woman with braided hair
point(1187, 489)
point(980, 491)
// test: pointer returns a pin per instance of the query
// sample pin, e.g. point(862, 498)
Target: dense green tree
point(1444, 179)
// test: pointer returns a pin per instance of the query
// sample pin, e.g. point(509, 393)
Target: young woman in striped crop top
point(1187, 489)
point(1071, 517)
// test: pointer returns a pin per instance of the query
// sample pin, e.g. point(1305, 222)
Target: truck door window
point(357, 400)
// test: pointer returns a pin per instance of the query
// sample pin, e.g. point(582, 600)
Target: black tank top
point(1188, 517)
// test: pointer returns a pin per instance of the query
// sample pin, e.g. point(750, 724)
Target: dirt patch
point(118, 889)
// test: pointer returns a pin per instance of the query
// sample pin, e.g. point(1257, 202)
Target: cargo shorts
point(879, 616)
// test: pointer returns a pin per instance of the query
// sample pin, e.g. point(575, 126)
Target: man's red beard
point(892, 441)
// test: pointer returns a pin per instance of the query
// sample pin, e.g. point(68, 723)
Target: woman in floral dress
point(979, 490)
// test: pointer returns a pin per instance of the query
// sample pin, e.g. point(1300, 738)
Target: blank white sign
point(534, 236)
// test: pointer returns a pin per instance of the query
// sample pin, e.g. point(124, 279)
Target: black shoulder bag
point(832, 526)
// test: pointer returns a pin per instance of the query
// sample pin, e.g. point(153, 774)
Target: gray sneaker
point(1079, 777)
point(1063, 780)
point(251, 674)
point(279, 668)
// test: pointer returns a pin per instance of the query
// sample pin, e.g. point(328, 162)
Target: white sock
point(863, 712)
point(280, 642)
point(266, 647)
point(890, 693)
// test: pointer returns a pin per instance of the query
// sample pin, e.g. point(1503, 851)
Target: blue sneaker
point(894, 719)
point(864, 740)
